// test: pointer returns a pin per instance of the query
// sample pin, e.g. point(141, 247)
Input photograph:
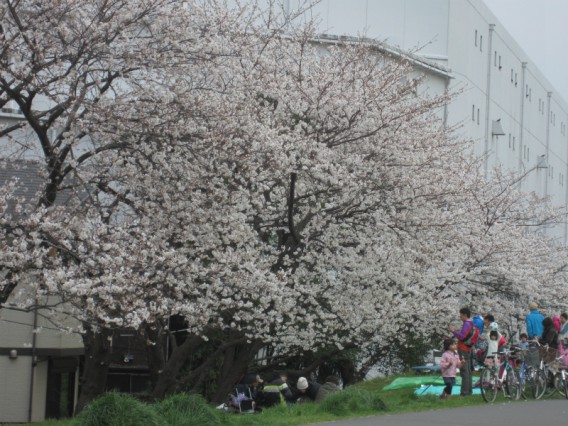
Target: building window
point(477, 115)
point(476, 38)
point(500, 62)
point(513, 143)
point(515, 79)
point(495, 59)
point(481, 43)
point(512, 75)
point(473, 113)
point(509, 141)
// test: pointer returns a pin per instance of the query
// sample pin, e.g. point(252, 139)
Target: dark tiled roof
point(28, 175)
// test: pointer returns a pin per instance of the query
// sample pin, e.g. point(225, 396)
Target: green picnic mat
point(415, 382)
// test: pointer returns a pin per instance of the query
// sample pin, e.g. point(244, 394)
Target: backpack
point(471, 337)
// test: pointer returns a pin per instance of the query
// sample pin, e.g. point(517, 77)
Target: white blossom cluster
point(226, 168)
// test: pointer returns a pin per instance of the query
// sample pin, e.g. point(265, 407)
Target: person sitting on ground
point(331, 385)
point(246, 392)
point(277, 391)
point(308, 390)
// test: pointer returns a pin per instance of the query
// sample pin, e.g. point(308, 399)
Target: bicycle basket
point(547, 354)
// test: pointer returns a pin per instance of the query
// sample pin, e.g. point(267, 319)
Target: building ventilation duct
point(497, 129)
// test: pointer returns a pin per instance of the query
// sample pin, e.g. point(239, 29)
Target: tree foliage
point(213, 161)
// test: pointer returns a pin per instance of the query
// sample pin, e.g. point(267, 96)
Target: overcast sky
point(540, 27)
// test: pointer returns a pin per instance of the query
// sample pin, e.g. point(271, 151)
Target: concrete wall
point(493, 76)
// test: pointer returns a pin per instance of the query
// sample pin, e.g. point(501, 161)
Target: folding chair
point(243, 399)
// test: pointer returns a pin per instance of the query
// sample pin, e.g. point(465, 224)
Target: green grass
point(364, 399)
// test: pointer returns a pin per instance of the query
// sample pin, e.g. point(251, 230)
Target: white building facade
point(505, 104)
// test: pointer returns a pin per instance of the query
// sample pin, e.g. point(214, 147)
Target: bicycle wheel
point(550, 388)
point(560, 385)
point(488, 385)
point(526, 386)
point(538, 382)
point(513, 384)
point(564, 378)
point(526, 375)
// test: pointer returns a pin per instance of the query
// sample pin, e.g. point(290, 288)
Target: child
point(524, 343)
point(492, 348)
point(449, 364)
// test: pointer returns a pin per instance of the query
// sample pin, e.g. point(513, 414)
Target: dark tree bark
point(167, 380)
point(97, 356)
point(236, 361)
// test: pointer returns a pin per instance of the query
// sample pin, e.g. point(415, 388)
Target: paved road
point(526, 413)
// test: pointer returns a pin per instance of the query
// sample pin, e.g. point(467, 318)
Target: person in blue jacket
point(534, 322)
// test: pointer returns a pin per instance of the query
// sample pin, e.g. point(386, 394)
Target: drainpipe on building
point(34, 363)
point(521, 134)
point(488, 99)
point(565, 182)
point(549, 116)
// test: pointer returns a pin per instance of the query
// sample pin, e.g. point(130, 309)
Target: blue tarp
point(437, 390)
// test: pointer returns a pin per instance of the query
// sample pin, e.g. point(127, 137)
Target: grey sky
point(540, 27)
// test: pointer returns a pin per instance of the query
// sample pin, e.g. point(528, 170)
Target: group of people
point(276, 391)
point(463, 350)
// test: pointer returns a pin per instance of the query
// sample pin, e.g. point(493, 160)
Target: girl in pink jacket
point(449, 363)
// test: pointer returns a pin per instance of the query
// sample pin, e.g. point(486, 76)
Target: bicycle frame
point(501, 376)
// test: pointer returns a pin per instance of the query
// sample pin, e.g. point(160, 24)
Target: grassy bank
point(364, 399)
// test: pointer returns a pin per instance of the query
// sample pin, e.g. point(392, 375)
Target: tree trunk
point(156, 351)
point(347, 371)
point(235, 364)
point(167, 379)
point(97, 355)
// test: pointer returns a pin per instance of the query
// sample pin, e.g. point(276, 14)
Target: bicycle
point(547, 367)
point(560, 368)
point(533, 380)
point(501, 375)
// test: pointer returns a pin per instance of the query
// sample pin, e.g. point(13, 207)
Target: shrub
point(352, 400)
point(116, 409)
point(187, 410)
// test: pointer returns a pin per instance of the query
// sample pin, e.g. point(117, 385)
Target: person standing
point(449, 363)
point(563, 334)
point(534, 322)
point(464, 351)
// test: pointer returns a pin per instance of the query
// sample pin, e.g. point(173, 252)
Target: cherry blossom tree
point(224, 167)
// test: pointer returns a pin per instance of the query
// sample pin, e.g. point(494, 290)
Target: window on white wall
point(481, 43)
point(509, 141)
point(477, 115)
point(473, 113)
point(512, 75)
point(515, 79)
point(476, 38)
point(513, 143)
point(500, 62)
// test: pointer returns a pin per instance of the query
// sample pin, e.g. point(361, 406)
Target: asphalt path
point(522, 413)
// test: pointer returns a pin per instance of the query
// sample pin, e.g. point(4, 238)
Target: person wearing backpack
point(467, 337)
